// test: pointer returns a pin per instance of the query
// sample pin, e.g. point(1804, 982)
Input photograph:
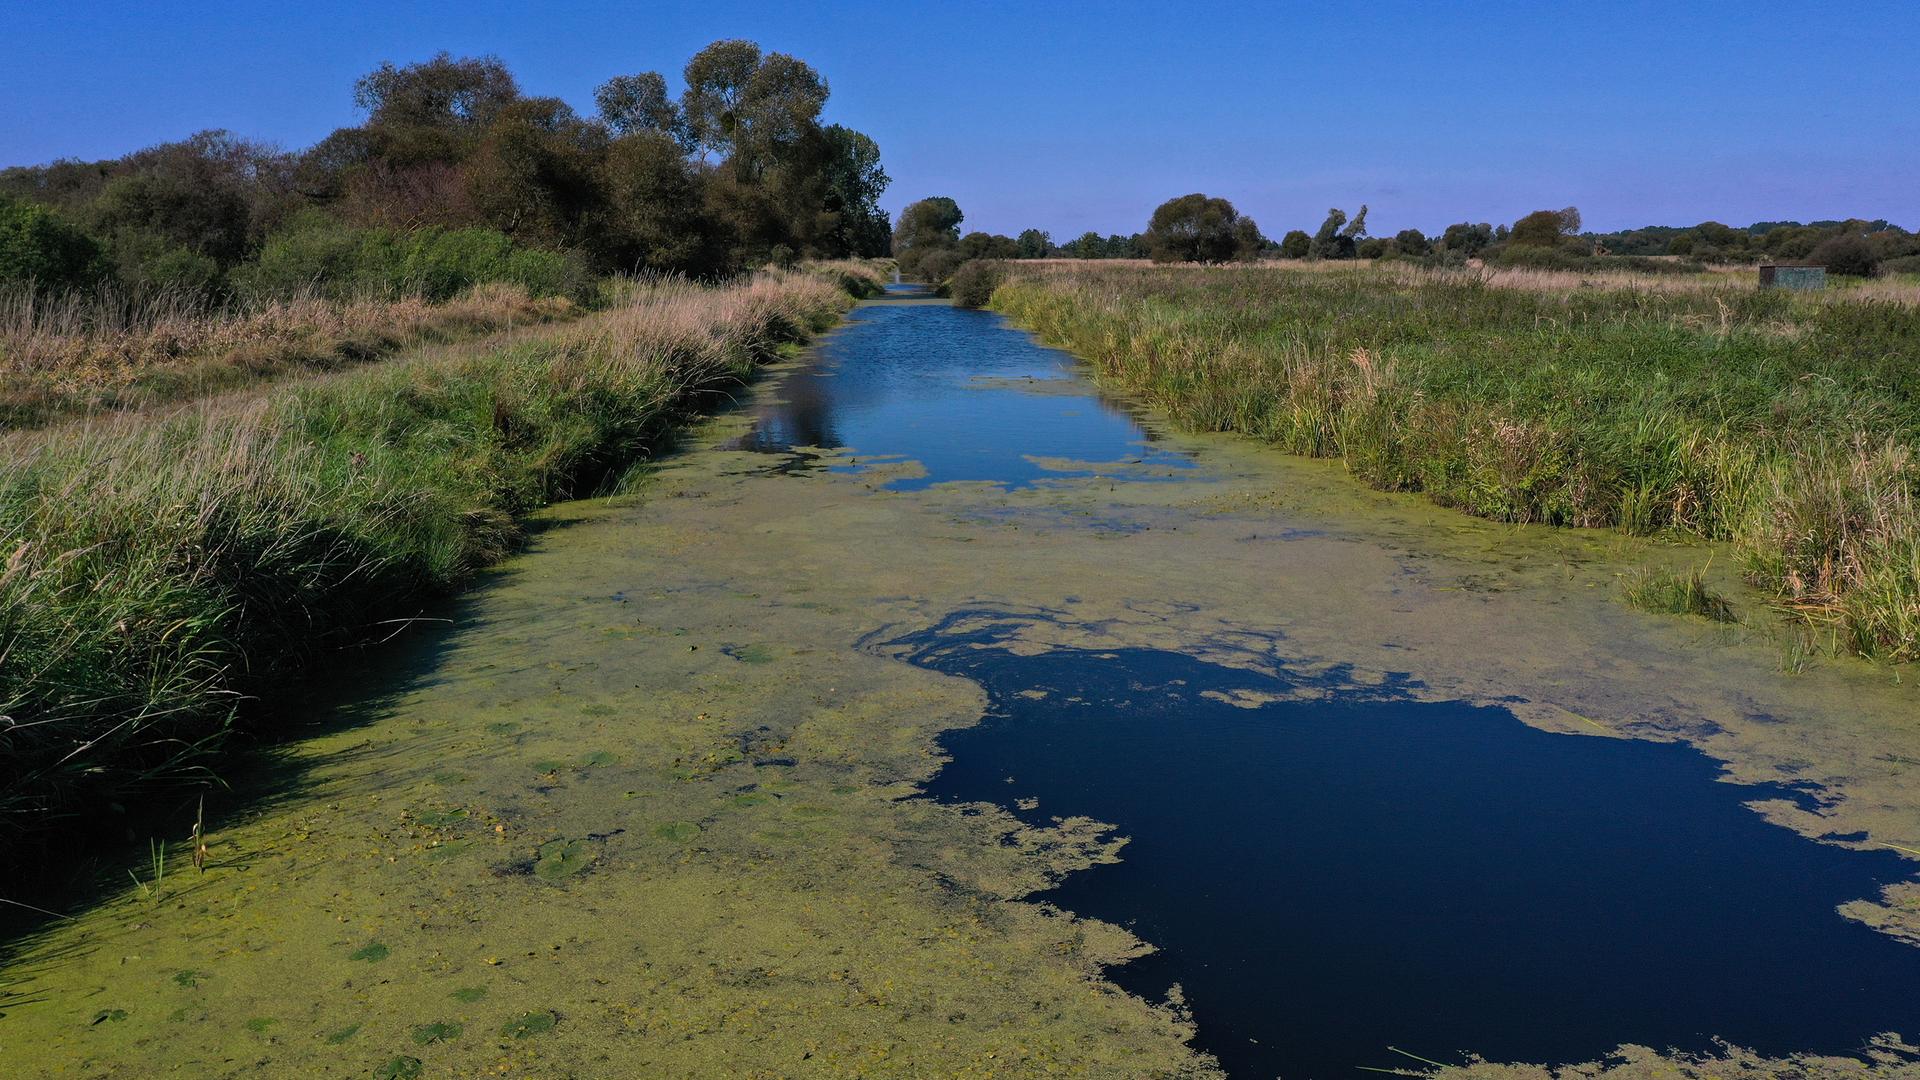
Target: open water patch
point(961, 392)
point(1332, 870)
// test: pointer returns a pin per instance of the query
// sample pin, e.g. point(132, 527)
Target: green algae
point(341, 1035)
point(561, 859)
point(726, 932)
point(437, 1032)
point(680, 832)
point(467, 995)
point(400, 1068)
point(529, 1024)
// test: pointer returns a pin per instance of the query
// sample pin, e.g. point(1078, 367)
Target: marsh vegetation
point(1692, 406)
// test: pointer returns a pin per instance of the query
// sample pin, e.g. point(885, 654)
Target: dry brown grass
point(105, 350)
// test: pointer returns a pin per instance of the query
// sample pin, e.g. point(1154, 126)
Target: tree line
point(1200, 228)
point(455, 163)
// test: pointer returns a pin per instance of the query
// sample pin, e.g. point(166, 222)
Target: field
point(1692, 405)
point(160, 567)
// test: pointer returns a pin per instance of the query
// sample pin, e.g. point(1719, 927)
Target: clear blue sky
point(1076, 116)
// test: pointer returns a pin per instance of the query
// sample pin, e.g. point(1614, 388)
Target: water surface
point(1331, 878)
point(960, 392)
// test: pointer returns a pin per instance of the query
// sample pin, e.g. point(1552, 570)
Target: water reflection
point(961, 392)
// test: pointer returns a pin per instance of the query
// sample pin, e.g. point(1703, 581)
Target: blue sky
point(1076, 116)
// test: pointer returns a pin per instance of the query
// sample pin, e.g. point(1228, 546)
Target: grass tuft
point(1667, 593)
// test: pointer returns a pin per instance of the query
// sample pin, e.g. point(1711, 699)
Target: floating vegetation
point(259, 1024)
point(548, 766)
point(437, 1032)
point(533, 1023)
point(680, 832)
point(749, 654)
point(189, 979)
point(372, 953)
point(467, 995)
point(438, 819)
point(400, 1068)
point(109, 1016)
point(597, 758)
point(448, 850)
point(562, 858)
point(335, 1038)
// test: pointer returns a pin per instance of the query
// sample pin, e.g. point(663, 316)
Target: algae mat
point(645, 808)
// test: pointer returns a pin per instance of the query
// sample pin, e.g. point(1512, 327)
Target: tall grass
point(1784, 423)
point(111, 348)
point(156, 570)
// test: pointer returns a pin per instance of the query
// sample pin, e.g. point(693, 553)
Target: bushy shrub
point(1848, 255)
point(938, 264)
point(1560, 258)
point(151, 263)
point(40, 248)
point(334, 260)
point(973, 284)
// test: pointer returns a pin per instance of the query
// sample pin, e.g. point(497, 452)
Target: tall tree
point(924, 230)
point(630, 103)
point(1196, 228)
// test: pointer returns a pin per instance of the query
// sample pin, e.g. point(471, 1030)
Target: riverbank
point(1784, 424)
point(160, 569)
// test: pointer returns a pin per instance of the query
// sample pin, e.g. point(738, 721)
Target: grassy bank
point(104, 350)
point(1700, 406)
point(156, 570)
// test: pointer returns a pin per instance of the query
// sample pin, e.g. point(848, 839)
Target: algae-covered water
point(1366, 775)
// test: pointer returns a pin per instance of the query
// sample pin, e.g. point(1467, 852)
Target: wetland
point(937, 712)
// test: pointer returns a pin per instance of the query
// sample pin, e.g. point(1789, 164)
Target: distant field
point(1696, 404)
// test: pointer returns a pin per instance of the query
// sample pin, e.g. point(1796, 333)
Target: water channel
point(695, 786)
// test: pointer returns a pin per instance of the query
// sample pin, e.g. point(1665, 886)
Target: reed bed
point(158, 570)
point(1783, 423)
point(114, 350)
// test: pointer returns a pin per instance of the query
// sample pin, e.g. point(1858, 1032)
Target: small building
point(1795, 276)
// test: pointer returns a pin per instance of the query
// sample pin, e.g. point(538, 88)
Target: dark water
point(1333, 878)
point(962, 393)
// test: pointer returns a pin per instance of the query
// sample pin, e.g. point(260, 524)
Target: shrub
point(1848, 255)
point(974, 282)
point(436, 264)
point(37, 246)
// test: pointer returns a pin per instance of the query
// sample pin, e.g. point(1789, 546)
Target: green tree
point(1546, 228)
point(924, 229)
point(1848, 254)
point(1296, 244)
point(534, 174)
point(655, 210)
point(631, 103)
point(1034, 244)
point(1329, 242)
point(855, 181)
point(1196, 228)
point(1412, 242)
point(38, 247)
point(747, 108)
point(1466, 238)
point(434, 110)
